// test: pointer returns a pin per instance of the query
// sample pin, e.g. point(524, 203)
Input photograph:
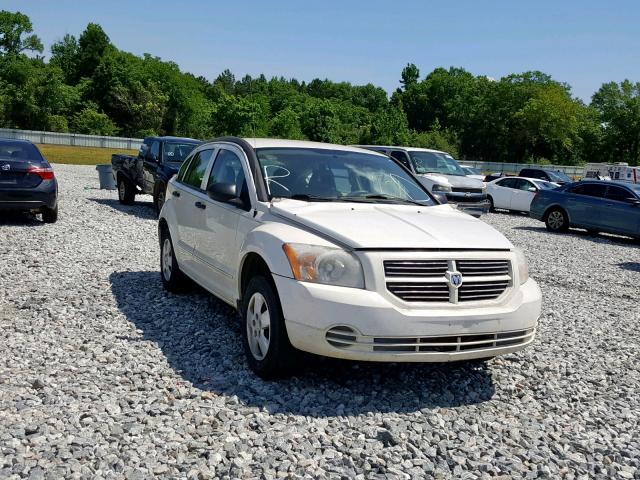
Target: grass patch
point(72, 155)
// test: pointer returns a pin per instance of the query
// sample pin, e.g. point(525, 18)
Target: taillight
point(45, 173)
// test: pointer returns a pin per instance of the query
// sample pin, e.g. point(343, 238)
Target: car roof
point(16, 140)
point(406, 149)
point(257, 143)
point(607, 182)
point(181, 139)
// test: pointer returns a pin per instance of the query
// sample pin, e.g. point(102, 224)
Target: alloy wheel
point(167, 259)
point(258, 326)
point(556, 220)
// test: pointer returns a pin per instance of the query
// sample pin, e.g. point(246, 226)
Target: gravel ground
point(103, 374)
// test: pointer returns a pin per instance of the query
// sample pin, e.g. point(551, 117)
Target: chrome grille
point(483, 268)
point(420, 292)
point(429, 280)
point(415, 268)
point(346, 338)
point(482, 290)
point(466, 190)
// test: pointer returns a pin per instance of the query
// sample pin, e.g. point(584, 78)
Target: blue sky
point(584, 43)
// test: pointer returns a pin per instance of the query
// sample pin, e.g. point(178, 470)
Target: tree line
point(90, 86)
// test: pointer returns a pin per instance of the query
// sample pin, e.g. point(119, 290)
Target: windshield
point(435, 162)
point(176, 152)
point(19, 151)
point(471, 171)
point(314, 174)
point(558, 176)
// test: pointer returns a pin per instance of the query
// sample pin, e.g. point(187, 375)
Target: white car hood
point(367, 226)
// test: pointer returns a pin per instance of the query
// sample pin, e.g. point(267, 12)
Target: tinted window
point(402, 157)
point(20, 151)
point(620, 194)
point(507, 182)
point(558, 177)
point(227, 169)
point(155, 150)
point(590, 189)
point(176, 152)
point(194, 172)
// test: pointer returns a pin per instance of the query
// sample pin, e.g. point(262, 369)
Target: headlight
point(440, 188)
point(523, 267)
point(331, 266)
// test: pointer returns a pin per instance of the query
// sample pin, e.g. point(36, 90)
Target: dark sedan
point(27, 181)
point(597, 206)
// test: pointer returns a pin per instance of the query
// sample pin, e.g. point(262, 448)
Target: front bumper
point(363, 325)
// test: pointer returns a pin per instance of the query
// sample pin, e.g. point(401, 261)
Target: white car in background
point(515, 193)
point(341, 252)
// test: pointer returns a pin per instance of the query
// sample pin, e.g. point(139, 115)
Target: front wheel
point(492, 207)
point(126, 191)
point(557, 220)
point(266, 343)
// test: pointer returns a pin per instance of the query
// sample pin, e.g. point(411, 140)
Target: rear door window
point(508, 183)
point(590, 190)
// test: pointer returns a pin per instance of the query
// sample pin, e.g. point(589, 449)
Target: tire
point(126, 191)
point(492, 208)
point(159, 196)
point(173, 280)
point(264, 335)
point(556, 220)
point(50, 215)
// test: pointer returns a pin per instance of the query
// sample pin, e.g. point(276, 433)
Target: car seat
point(322, 183)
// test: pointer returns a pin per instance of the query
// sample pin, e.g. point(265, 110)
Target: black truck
point(158, 160)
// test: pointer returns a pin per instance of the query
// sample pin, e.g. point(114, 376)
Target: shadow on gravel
point(20, 219)
point(200, 338)
point(632, 266)
point(144, 210)
point(594, 237)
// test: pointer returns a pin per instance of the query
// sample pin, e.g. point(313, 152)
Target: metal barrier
point(75, 139)
point(514, 168)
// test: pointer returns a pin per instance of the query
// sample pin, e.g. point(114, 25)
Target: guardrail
point(76, 139)
point(514, 168)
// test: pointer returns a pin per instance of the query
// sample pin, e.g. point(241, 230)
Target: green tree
point(91, 122)
point(65, 55)
point(618, 105)
point(92, 46)
point(410, 76)
point(15, 34)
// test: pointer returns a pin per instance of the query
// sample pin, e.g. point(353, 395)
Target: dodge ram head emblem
point(6, 166)
point(455, 279)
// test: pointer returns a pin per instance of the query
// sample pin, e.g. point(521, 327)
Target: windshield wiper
point(378, 196)
point(309, 198)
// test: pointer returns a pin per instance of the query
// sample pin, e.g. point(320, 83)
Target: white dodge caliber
point(341, 252)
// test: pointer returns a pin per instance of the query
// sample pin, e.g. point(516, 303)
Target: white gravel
point(103, 374)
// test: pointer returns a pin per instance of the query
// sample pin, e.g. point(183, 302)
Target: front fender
point(267, 240)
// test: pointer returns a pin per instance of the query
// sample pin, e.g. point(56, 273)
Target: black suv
point(549, 175)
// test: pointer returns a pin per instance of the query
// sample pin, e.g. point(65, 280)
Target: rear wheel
point(159, 197)
point(173, 280)
point(557, 220)
point(50, 215)
point(266, 343)
point(126, 191)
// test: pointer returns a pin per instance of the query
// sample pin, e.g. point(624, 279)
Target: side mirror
point(222, 192)
point(635, 202)
point(532, 189)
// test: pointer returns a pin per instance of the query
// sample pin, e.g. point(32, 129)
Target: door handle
point(175, 193)
point(200, 205)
